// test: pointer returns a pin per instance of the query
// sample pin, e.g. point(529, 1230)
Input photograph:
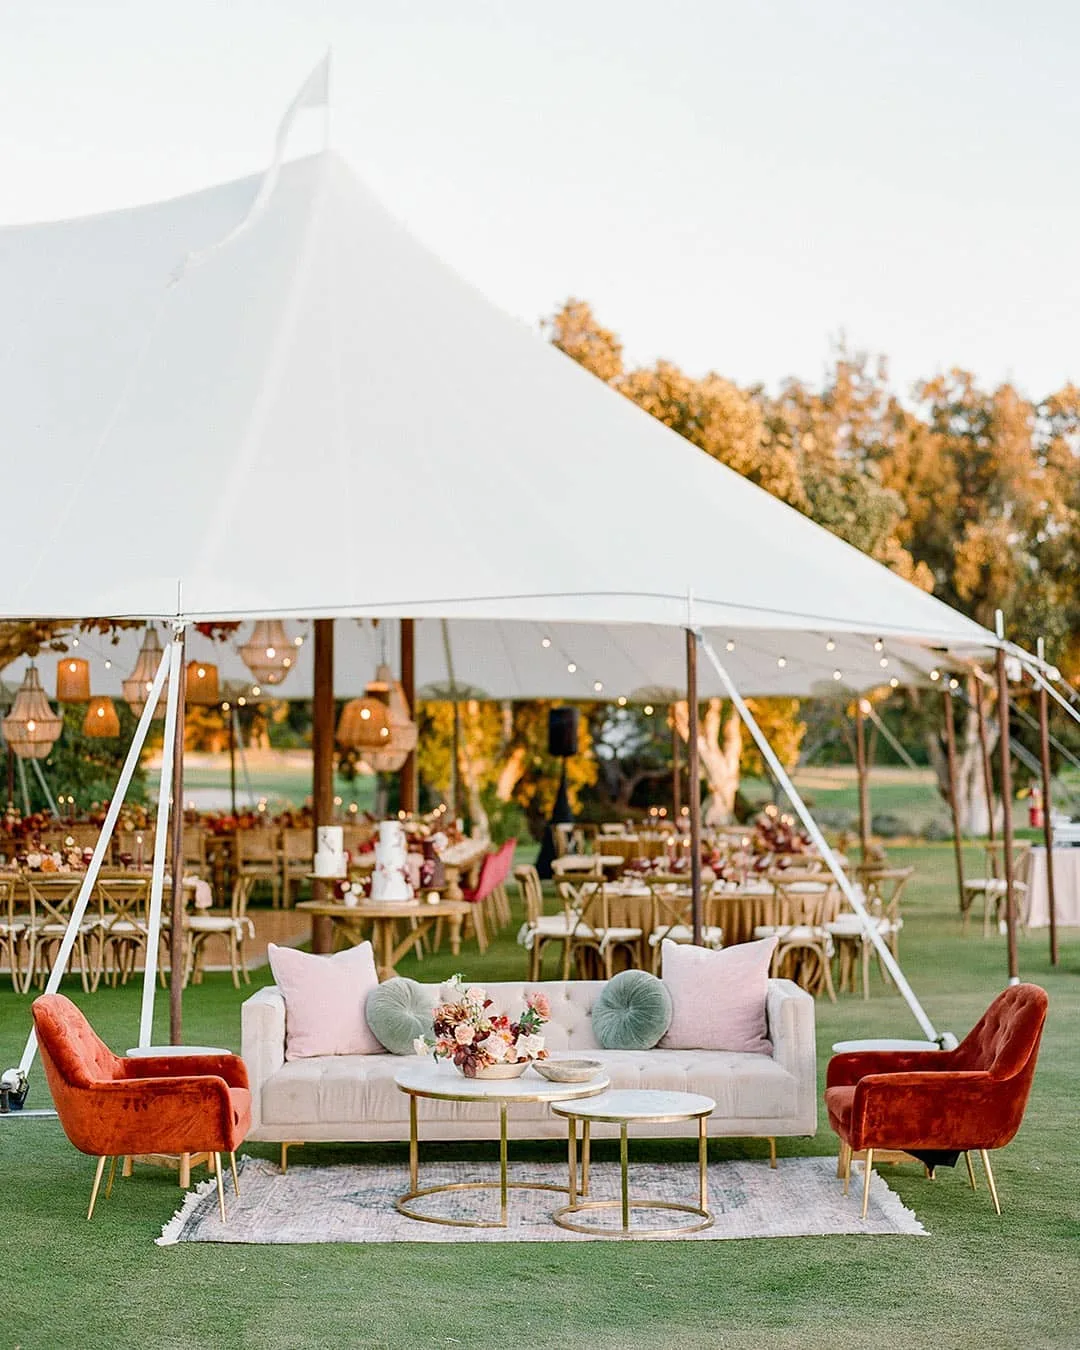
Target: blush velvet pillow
point(324, 1001)
point(717, 998)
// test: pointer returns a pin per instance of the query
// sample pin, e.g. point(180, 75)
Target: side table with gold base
point(624, 1108)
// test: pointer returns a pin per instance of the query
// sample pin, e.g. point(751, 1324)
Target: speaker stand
point(560, 815)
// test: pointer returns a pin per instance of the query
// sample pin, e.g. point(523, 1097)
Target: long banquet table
point(1066, 889)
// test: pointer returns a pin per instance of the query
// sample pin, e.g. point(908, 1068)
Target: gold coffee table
point(623, 1108)
point(442, 1082)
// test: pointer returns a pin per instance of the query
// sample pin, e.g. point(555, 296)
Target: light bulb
point(242, 701)
point(225, 707)
point(935, 674)
point(648, 710)
point(365, 714)
point(31, 726)
point(337, 801)
point(884, 663)
point(830, 646)
point(545, 642)
point(149, 685)
point(598, 685)
point(384, 731)
point(954, 684)
point(894, 683)
point(74, 642)
point(878, 645)
point(571, 667)
point(270, 653)
point(837, 675)
point(201, 672)
point(101, 712)
point(730, 644)
point(108, 665)
point(622, 700)
point(298, 641)
point(286, 661)
point(72, 667)
point(781, 661)
point(256, 691)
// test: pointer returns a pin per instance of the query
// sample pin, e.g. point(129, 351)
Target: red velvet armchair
point(112, 1107)
point(932, 1102)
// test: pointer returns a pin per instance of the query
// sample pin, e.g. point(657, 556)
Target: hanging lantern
point(364, 723)
point(269, 652)
point(72, 680)
point(101, 720)
point(202, 683)
point(32, 728)
point(141, 680)
point(392, 751)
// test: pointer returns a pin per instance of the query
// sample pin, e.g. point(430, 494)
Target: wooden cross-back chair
point(592, 930)
point(51, 900)
point(124, 906)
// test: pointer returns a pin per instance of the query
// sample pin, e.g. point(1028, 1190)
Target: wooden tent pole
point(1048, 826)
point(322, 766)
point(864, 785)
point(954, 808)
point(176, 932)
point(693, 773)
point(409, 792)
point(988, 772)
point(1005, 770)
point(676, 770)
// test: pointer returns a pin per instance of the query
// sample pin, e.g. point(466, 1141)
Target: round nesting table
point(442, 1082)
point(624, 1108)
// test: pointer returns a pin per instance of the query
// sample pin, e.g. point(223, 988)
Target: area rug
point(355, 1203)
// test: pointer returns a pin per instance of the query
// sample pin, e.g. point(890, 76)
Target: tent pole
point(864, 783)
point(45, 788)
point(232, 760)
point(100, 848)
point(176, 919)
point(322, 765)
point(694, 775)
point(852, 896)
point(239, 733)
point(988, 772)
point(954, 808)
point(409, 799)
point(1005, 769)
point(161, 829)
point(676, 771)
point(1048, 825)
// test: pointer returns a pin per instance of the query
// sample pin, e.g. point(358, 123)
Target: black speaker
point(562, 732)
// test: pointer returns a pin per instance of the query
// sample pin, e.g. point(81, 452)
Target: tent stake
point(693, 773)
point(1048, 825)
point(176, 931)
point(852, 896)
point(954, 809)
point(78, 910)
point(322, 766)
point(1005, 769)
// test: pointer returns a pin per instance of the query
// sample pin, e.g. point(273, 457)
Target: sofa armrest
point(789, 1012)
point(262, 1042)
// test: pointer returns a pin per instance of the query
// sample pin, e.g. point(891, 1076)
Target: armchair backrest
point(73, 1054)
point(1005, 1040)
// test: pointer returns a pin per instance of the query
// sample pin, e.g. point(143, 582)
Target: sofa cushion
point(632, 1012)
point(324, 1001)
point(399, 1011)
point(718, 998)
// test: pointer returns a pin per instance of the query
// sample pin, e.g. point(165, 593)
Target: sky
point(733, 187)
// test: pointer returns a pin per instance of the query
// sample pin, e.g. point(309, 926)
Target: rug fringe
point(170, 1233)
point(893, 1208)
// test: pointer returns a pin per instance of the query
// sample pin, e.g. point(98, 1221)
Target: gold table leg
point(414, 1147)
point(572, 1133)
point(586, 1142)
point(703, 1164)
point(624, 1160)
point(502, 1164)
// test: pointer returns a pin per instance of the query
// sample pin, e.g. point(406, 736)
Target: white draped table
point(1066, 889)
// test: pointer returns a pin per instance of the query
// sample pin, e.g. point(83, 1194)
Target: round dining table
point(353, 923)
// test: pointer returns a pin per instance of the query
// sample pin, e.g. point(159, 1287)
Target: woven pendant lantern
point(73, 680)
point(202, 683)
point(394, 750)
point(102, 720)
point(32, 728)
point(364, 724)
point(268, 652)
point(140, 681)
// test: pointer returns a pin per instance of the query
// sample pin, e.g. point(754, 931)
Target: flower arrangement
point(474, 1038)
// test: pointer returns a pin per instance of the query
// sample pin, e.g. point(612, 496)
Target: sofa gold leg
point(293, 1143)
point(220, 1185)
point(985, 1156)
point(971, 1170)
point(97, 1182)
point(868, 1167)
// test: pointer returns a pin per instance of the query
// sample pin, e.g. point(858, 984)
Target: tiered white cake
point(391, 879)
point(330, 851)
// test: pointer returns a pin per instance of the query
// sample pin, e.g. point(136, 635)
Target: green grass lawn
point(976, 1281)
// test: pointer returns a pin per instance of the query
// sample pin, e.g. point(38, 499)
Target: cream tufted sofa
point(353, 1097)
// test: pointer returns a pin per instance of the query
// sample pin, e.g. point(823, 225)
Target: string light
point(74, 642)
point(225, 707)
point(545, 642)
point(648, 709)
point(781, 661)
point(954, 684)
point(571, 667)
point(108, 665)
point(730, 644)
point(935, 674)
point(884, 663)
point(242, 701)
point(837, 675)
point(894, 683)
point(621, 700)
point(255, 690)
point(830, 646)
point(298, 641)
point(879, 645)
point(598, 686)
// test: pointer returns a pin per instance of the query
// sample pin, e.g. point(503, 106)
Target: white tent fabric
point(319, 418)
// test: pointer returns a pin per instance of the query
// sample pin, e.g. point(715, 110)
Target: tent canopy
point(320, 419)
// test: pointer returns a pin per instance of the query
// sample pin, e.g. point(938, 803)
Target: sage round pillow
point(632, 1012)
point(399, 1011)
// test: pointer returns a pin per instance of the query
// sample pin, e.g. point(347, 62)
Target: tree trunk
point(511, 773)
point(971, 804)
point(720, 749)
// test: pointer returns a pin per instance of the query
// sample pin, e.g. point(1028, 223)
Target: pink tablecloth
point(1066, 889)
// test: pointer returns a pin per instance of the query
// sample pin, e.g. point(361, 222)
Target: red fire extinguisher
point(1035, 808)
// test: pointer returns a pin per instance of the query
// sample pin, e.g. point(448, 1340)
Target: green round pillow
point(399, 1011)
point(632, 1012)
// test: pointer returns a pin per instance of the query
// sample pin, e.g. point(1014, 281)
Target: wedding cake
point(330, 858)
point(391, 878)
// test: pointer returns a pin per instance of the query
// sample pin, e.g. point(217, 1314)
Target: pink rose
point(539, 1004)
point(463, 1034)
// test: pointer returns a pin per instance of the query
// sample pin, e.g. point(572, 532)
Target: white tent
point(311, 416)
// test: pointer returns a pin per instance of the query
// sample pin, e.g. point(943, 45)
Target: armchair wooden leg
point(971, 1170)
point(985, 1156)
point(97, 1182)
point(220, 1185)
point(235, 1174)
point(868, 1169)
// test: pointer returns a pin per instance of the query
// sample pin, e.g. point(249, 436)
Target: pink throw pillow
point(324, 1001)
point(718, 998)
